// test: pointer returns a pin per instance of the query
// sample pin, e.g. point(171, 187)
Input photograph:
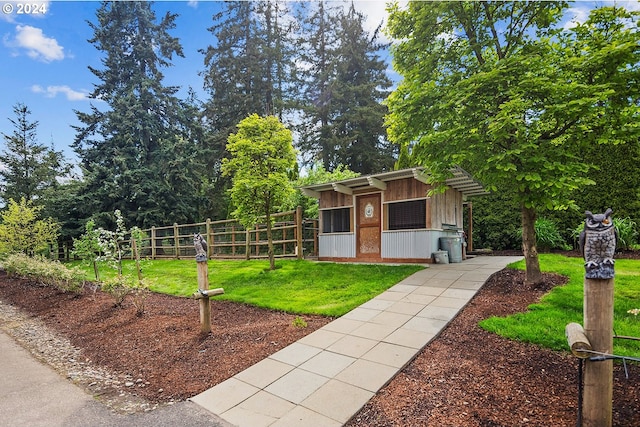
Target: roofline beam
point(418, 175)
point(310, 193)
point(342, 189)
point(376, 183)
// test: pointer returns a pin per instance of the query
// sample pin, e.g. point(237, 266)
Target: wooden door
point(368, 226)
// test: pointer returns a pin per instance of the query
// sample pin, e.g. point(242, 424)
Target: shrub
point(118, 287)
point(548, 235)
point(45, 272)
point(22, 231)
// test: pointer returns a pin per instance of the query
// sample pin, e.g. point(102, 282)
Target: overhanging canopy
point(461, 181)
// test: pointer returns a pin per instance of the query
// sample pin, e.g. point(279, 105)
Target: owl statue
point(201, 247)
point(598, 245)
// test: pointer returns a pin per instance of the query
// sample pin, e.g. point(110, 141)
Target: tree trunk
point(272, 261)
point(529, 249)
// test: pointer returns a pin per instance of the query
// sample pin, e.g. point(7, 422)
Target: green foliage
point(45, 272)
point(300, 287)
point(141, 154)
point(548, 235)
point(317, 174)
point(514, 111)
point(87, 247)
point(543, 323)
point(22, 231)
point(343, 89)
point(29, 169)
point(262, 158)
point(496, 223)
point(299, 322)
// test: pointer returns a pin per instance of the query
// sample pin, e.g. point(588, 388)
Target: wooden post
point(205, 304)
point(153, 242)
point(247, 245)
point(299, 230)
point(598, 375)
point(210, 238)
point(176, 239)
point(598, 245)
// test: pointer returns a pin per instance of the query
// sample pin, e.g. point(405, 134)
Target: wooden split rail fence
point(293, 237)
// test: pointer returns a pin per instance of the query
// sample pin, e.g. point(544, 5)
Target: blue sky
point(44, 57)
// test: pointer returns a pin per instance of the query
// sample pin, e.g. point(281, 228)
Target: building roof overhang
point(460, 180)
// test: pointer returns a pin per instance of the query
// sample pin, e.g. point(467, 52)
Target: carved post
point(203, 283)
point(598, 245)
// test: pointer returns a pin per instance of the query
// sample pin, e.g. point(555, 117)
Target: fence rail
point(293, 237)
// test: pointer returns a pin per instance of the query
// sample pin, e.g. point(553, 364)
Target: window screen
point(336, 220)
point(407, 215)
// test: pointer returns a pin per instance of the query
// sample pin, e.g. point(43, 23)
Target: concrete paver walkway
point(327, 377)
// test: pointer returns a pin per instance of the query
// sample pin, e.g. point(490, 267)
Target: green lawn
point(544, 323)
point(302, 287)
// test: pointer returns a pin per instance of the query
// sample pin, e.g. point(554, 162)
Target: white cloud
point(53, 91)
point(193, 4)
point(37, 45)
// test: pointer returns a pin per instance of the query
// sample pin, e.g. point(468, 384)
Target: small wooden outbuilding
point(389, 217)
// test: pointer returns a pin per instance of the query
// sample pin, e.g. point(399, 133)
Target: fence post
point(176, 240)
point(210, 239)
point(153, 242)
point(300, 250)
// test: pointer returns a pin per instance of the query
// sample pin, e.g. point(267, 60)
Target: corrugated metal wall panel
point(416, 244)
point(337, 245)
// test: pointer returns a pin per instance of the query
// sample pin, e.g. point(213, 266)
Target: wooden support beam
point(376, 183)
point(577, 340)
point(418, 175)
point(342, 189)
point(202, 293)
point(310, 193)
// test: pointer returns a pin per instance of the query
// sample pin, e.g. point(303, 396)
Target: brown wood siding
point(446, 208)
point(333, 199)
point(405, 189)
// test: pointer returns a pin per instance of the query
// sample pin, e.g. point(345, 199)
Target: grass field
point(302, 287)
point(544, 323)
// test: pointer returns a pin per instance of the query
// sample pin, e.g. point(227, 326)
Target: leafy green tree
point(488, 86)
point(29, 168)
point(87, 247)
point(317, 174)
point(22, 231)
point(262, 157)
point(126, 149)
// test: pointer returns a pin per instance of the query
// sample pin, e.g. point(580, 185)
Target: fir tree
point(126, 149)
point(29, 168)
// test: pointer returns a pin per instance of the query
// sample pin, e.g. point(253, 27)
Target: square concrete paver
point(391, 319)
point(391, 354)
point(327, 364)
point(342, 325)
point(301, 416)
point(449, 302)
point(295, 354)
point(297, 385)
point(440, 313)
point(338, 400)
point(410, 338)
point(374, 331)
point(225, 395)
point(321, 338)
point(362, 314)
point(371, 376)
point(352, 346)
point(260, 410)
point(406, 308)
point(425, 324)
point(264, 372)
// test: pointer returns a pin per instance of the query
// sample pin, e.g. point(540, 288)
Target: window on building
point(407, 215)
point(336, 220)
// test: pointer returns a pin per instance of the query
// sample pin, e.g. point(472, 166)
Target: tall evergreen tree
point(125, 151)
point(29, 168)
point(360, 87)
point(247, 70)
point(344, 86)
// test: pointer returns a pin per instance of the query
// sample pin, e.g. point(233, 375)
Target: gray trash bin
point(453, 245)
